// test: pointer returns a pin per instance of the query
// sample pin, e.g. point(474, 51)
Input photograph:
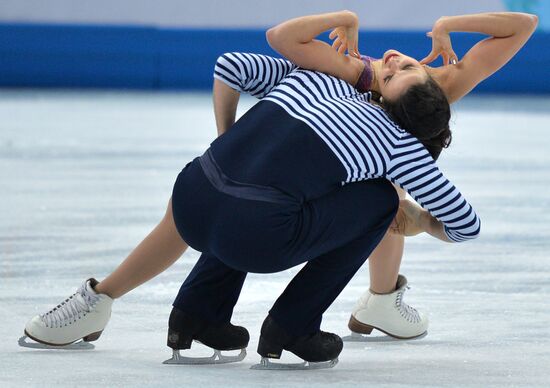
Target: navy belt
point(236, 189)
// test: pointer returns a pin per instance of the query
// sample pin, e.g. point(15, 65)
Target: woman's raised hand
point(346, 38)
point(441, 45)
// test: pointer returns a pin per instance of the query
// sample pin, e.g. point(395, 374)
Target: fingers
point(441, 45)
point(453, 58)
point(445, 57)
point(343, 47)
point(430, 58)
point(397, 225)
point(449, 58)
point(356, 48)
point(340, 45)
point(352, 49)
point(394, 227)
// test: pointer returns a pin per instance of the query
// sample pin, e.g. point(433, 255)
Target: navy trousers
point(334, 234)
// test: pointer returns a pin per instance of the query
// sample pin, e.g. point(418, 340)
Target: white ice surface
point(84, 176)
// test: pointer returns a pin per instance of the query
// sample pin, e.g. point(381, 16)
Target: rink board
point(134, 57)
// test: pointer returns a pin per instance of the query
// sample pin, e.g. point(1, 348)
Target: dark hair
point(423, 111)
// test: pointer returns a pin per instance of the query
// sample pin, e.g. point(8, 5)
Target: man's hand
point(408, 220)
point(411, 220)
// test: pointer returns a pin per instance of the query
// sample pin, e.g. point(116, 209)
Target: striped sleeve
point(415, 171)
point(254, 74)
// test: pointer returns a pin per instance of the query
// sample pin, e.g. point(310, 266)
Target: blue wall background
point(67, 56)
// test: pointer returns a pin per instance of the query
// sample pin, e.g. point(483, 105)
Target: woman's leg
point(382, 306)
point(385, 260)
point(70, 321)
point(158, 251)
point(384, 263)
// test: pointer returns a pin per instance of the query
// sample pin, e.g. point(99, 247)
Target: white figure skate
point(387, 313)
point(82, 316)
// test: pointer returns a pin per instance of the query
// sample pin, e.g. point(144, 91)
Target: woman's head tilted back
point(415, 101)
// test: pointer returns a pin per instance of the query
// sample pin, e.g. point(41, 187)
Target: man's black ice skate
point(184, 328)
point(319, 350)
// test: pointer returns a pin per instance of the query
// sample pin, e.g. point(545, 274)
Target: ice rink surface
point(85, 176)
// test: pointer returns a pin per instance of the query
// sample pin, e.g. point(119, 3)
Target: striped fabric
point(365, 140)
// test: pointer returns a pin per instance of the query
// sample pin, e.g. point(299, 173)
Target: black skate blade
point(358, 337)
point(216, 358)
point(80, 345)
point(266, 364)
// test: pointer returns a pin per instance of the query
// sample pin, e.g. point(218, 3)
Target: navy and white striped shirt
point(361, 135)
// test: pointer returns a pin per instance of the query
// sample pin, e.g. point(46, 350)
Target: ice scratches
point(216, 358)
point(265, 364)
point(80, 345)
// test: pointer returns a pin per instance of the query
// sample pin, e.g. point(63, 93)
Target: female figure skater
point(297, 179)
point(390, 79)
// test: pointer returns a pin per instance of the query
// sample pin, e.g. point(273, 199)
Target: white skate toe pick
point(387, 313)
point(83, 315)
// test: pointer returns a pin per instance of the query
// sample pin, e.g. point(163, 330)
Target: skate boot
point(387, 313)
point(82, 316)
point(184, 328)
point(319, 350)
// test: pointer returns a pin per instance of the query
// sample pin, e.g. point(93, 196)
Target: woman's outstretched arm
point(508, 31)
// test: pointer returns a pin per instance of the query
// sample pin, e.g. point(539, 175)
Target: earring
point(381, 100)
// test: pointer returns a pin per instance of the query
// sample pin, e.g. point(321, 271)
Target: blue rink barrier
point(134, 57)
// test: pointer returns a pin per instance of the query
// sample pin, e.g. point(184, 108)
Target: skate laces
point(406, 311)
point(71, 309)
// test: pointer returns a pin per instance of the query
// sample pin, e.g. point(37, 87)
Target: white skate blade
point(358, 337)
point(216, 358)
point(79, 345)
point(266, 364)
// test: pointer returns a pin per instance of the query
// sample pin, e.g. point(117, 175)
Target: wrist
point(350, 18)
point(441, 25)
